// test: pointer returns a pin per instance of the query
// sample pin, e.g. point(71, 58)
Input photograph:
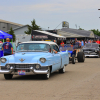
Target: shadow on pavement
point(33, 77)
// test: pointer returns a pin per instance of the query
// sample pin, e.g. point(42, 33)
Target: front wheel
point(73, 59)
point(62, 70)
point(8, 76)
point(80, 57)
point(47, 76)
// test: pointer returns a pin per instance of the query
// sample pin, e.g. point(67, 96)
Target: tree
point(97, 32)
point(11, 32)
point(81, 29)
point(32, 27)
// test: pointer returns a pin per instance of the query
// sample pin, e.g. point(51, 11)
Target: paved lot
point(80, 82)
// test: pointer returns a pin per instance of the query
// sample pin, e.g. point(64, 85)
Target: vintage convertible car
point(91, 50)
point(34, 57)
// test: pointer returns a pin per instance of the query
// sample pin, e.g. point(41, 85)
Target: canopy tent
point(4, 35)
point(75, 33)
point(37, 34)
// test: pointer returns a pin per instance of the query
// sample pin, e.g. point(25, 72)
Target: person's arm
point(11, 48)
point(55, 51)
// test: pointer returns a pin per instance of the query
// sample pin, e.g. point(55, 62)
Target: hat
point(7, 39)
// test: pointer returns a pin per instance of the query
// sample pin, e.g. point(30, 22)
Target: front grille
point(26, 70)
point(3, 68)
point(16, 66)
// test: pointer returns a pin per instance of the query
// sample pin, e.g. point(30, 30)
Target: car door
point(56, 57)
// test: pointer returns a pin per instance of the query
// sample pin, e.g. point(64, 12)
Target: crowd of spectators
point(80, 43)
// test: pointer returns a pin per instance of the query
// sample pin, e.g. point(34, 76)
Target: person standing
point(7, 47)
point(61, 43)
point(82, 43)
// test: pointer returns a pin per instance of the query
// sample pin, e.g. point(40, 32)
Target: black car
point(91, 50)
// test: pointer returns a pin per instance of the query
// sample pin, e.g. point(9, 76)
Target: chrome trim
point(40, 72)
point(11, 71)
point(7, 71)
point(92, 55)
point(23, 63)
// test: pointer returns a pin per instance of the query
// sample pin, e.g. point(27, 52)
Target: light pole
point(76, 26)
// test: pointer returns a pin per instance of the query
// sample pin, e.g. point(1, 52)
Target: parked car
point(75, 53)
point(36, 57)
point(91, 50)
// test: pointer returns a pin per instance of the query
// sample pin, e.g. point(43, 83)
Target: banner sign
point(40, 36)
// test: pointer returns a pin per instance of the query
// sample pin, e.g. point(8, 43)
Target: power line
point(58, 25)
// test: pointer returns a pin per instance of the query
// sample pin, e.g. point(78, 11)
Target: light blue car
point(34, 57)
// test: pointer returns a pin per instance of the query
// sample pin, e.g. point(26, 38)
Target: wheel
point(8, 76)
point(80, 57)
point(47, 76)
point(62, 70)
point(73, 59)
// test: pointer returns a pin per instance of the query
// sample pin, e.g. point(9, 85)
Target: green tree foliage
point(97, 32)
point(81, 29)
point(11, 32)
point(32, 27)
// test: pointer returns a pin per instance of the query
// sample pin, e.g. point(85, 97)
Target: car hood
point(27, 57)
point(89, 49)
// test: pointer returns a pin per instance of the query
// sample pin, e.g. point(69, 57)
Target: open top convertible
point(34, 57)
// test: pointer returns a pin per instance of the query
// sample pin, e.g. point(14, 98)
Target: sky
point(50, 13)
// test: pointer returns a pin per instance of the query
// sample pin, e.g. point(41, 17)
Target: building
point(20, 33)
point(6, 25)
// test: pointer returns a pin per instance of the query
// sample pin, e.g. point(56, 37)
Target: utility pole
point(76, 26)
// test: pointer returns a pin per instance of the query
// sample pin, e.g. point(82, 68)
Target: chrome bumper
point(91, 55)
point(34, 71)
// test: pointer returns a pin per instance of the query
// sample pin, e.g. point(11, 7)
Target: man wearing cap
point(7, 47)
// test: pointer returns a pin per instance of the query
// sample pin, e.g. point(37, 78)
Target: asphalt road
point(81, 81)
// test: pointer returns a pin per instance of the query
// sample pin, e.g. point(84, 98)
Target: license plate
point(21, 72)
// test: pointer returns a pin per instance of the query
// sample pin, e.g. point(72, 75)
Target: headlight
point(43, 60)
point(3, 60)
point(37, 66)
point(8, 66)
point(95, 50)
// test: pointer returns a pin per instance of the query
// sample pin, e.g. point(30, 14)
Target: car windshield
point(88, 45)
point(92, 45)
point(95, 45)
point(33, 47)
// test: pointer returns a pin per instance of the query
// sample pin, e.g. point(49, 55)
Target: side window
point(55, 47)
